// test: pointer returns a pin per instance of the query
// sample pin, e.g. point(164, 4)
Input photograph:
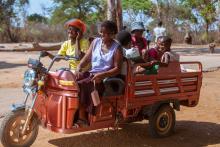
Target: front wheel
point(10, 131)
point(161, 124)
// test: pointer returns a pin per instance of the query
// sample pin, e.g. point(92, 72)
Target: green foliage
point(137, 5)
point(137, 8)
point(184, 13)
point(87, 10)
point(206, 8)
point(37, 18)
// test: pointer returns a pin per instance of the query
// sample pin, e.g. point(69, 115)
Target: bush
point(40, 32)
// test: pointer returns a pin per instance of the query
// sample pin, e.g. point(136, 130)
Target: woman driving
point(75, 46)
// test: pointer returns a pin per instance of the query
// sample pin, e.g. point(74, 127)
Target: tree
point(37, 18)
point(137, 7)
point(205, 8)
point(89, 11)
point(114, 12)
point(10, 13)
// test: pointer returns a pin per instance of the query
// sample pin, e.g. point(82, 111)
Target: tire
point(10, 130)
point(162, 123)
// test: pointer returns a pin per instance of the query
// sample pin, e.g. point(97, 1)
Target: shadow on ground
point(195, 51)
point(191, 52)
point(4, 65)
point(187, 134)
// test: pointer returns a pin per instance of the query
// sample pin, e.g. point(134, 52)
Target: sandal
point(81, 123)
point(75, 125)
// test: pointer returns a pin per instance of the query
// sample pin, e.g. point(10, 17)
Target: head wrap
point(77, 24)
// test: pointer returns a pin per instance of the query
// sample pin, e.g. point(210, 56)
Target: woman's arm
point(78, 51)
point(117, 62)
point(46, 53)
point(51, 56)
point(85, 59)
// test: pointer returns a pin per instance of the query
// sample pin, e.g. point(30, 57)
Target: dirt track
point(198, 126)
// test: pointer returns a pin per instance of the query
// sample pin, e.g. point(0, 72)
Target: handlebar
point(58, 57)
point(66, 58)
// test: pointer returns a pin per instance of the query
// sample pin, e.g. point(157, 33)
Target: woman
point(105, 57)
point(76, 46)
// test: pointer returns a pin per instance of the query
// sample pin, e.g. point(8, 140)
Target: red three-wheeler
point(127, 98)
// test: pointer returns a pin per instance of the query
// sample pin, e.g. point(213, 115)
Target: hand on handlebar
point(66, 57)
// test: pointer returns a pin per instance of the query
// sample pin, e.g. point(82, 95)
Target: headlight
point(29, 77)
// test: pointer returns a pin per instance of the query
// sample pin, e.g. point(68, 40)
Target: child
point(160, 55)
point(138, 41)
point(162, 51)
point(125, 40)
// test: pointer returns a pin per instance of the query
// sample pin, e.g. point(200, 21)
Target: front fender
point(22, 107)
point(16, 107)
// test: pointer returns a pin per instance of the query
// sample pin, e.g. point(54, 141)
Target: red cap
point(78, 24)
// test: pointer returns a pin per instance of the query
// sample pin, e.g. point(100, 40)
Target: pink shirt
point(153, 54)
point(139, 45)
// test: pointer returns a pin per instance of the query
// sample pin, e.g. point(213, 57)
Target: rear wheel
point(10, 131)
point(162, 123)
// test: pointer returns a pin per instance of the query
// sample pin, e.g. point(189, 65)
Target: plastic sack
point(95, 96)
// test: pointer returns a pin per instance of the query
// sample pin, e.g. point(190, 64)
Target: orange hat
point(77, 23)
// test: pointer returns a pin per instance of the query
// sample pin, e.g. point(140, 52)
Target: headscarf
point(77, 24)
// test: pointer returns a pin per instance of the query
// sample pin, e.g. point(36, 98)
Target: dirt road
point(195, 127)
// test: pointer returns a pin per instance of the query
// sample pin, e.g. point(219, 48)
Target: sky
point(35, 6)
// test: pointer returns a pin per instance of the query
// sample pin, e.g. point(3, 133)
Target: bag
point(95, 96)
point(131, 53)
point(152, 70)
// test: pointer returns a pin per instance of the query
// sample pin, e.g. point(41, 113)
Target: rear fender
point(152, 109)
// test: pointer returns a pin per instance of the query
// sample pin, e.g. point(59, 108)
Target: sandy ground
point(195, 127)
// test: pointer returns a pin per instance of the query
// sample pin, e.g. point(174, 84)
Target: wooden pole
point(114, 12)
point(111, 10)
point(119, 17)
point(159, 17)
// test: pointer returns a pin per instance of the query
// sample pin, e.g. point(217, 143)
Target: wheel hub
point(15, 131)
point(163, 122)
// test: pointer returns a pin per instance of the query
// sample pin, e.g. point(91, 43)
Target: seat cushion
point(113, 86)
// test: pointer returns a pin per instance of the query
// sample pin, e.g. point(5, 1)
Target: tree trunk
point(114, 12)
point(119, 18)
point(12, 37)
point(111, 10)
point(159, 14)
point(207, 32)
